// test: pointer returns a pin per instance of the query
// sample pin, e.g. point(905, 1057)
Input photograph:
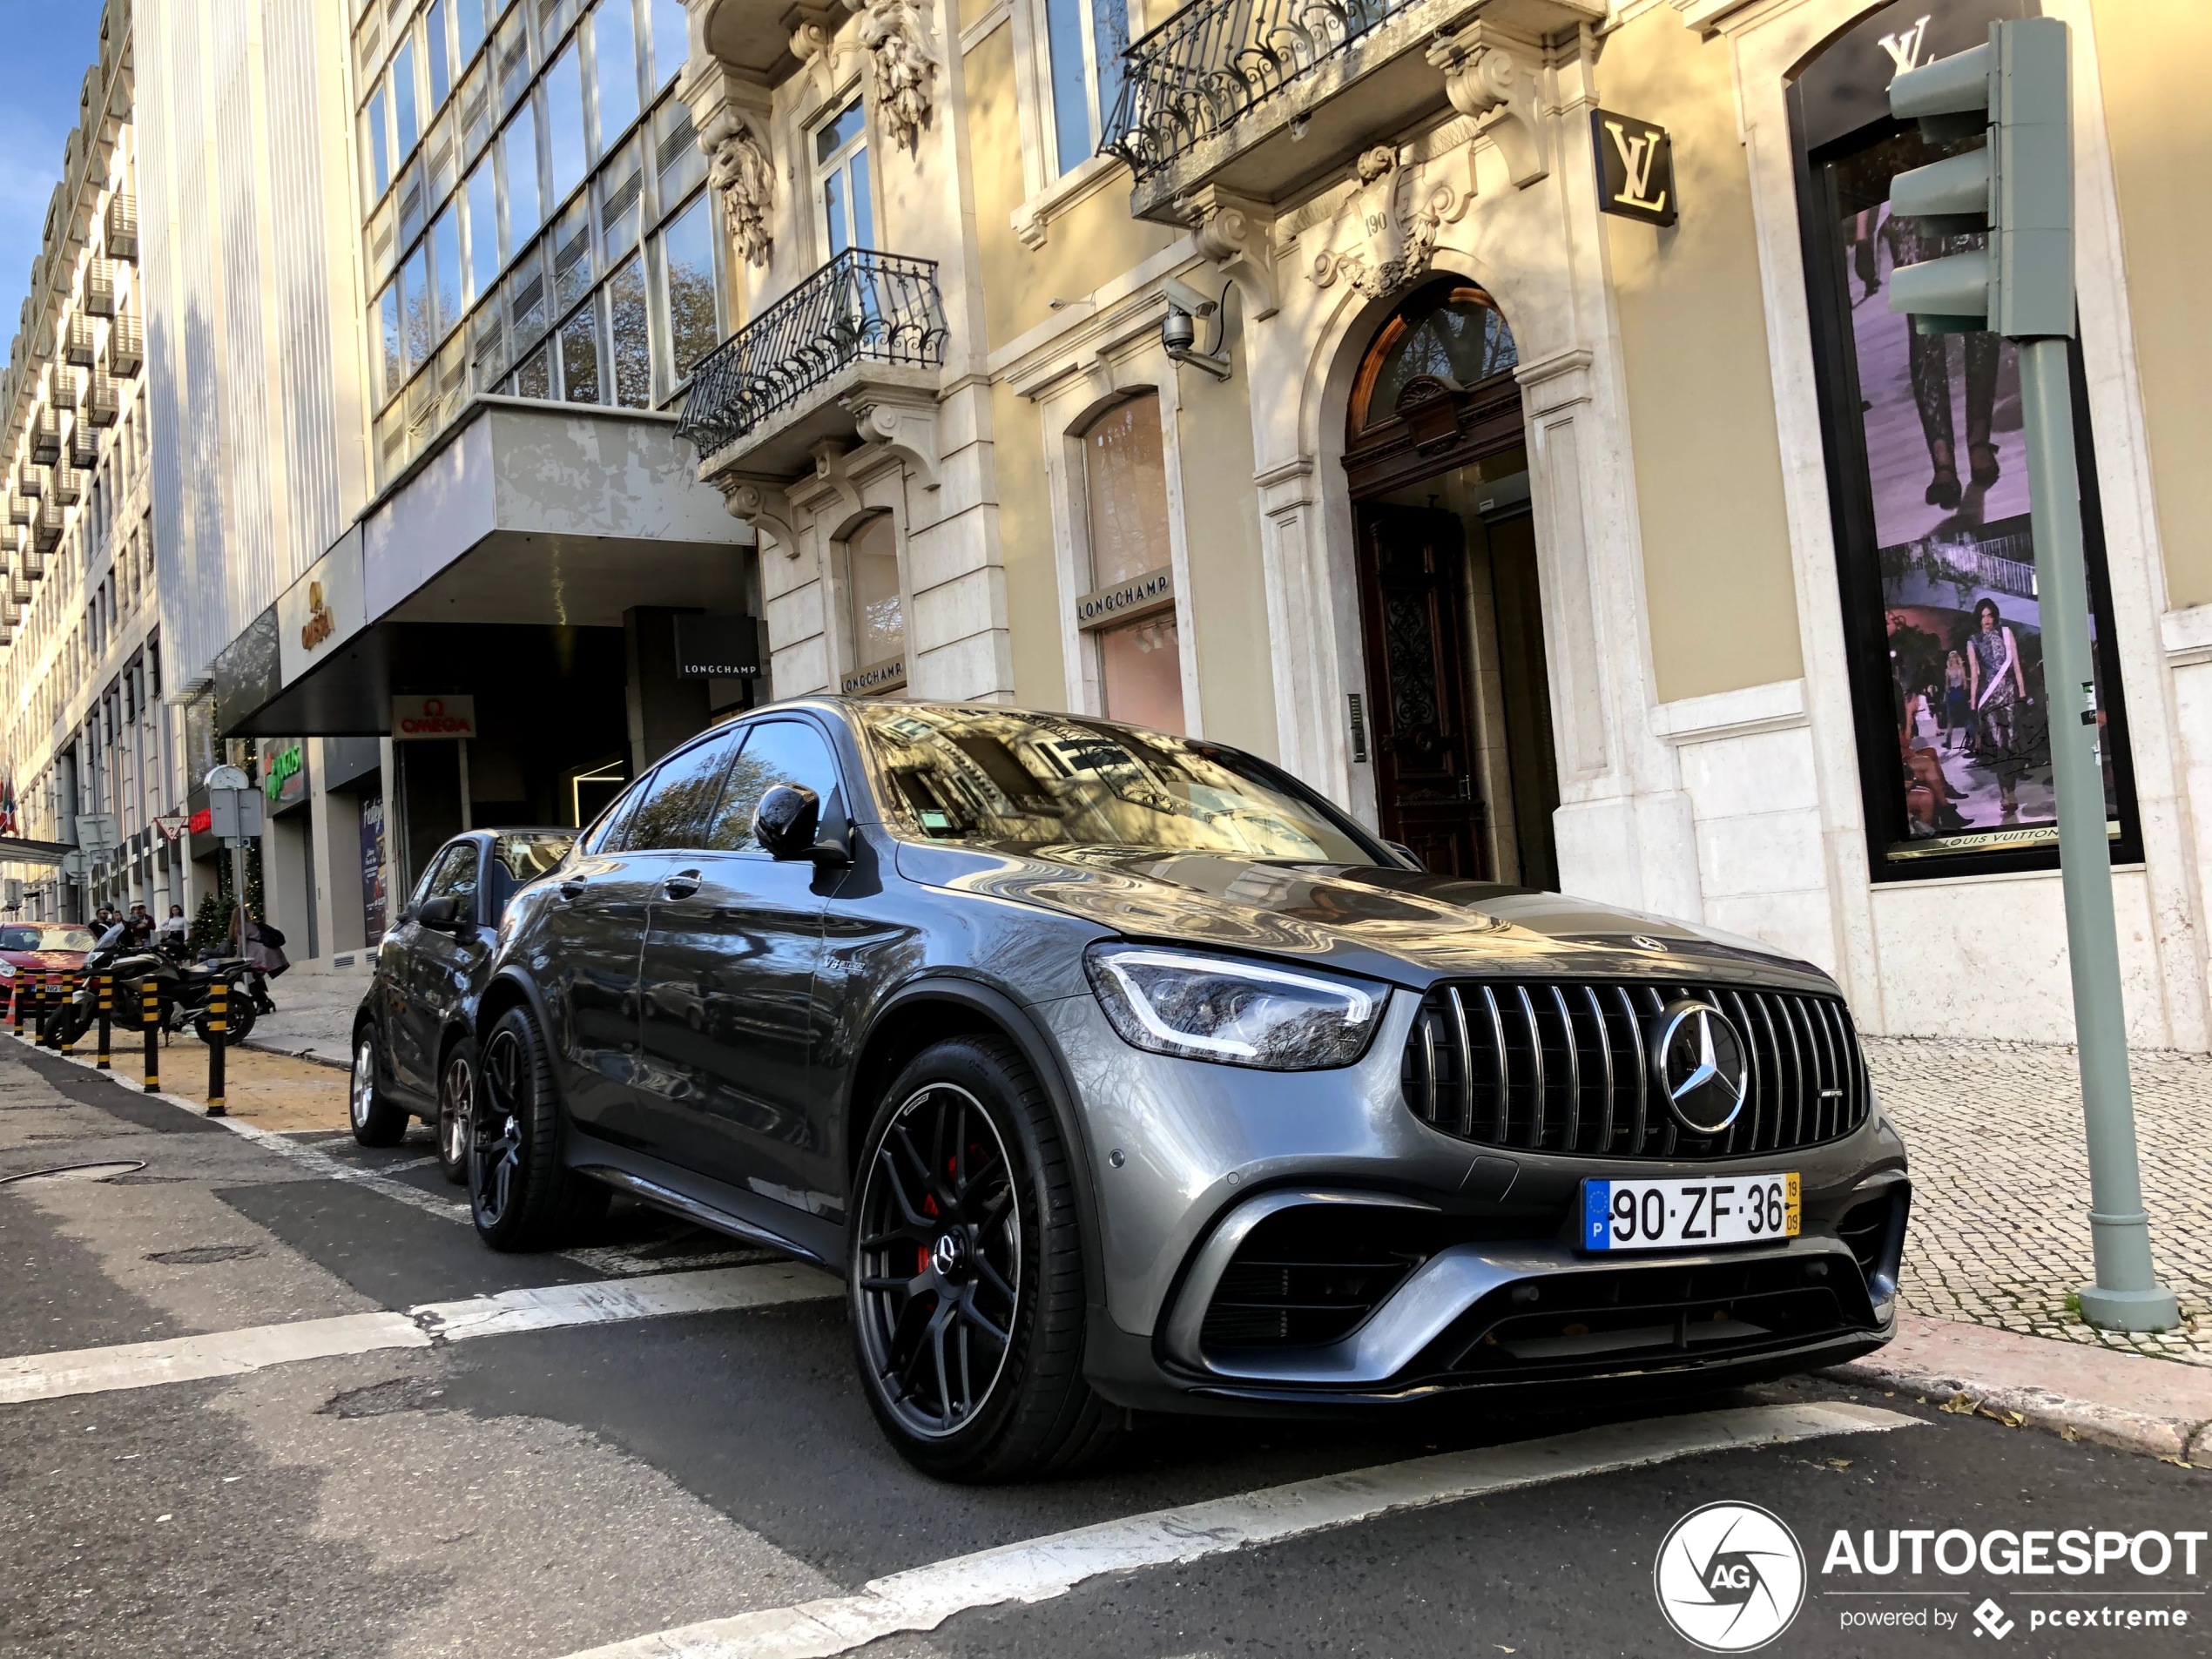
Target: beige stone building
point(1568, 534)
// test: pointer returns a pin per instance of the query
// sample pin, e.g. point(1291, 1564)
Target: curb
point(2130, 1402)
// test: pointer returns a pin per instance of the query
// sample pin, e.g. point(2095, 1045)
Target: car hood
point(34, 959)
point(1408, 926)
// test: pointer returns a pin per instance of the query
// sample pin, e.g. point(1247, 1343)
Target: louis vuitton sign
point(1636, 168)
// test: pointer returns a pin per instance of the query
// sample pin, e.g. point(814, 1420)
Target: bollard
point(106, 1003)
point(49, 994)
point(64, 1044)
point(219, 1008)
point(18, 989)
point(38, 1009)
point(150, 1016)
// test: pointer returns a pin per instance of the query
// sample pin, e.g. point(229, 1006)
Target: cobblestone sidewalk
point(2001, 1184)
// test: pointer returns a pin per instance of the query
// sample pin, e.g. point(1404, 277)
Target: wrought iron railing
point(861, 307)
point(1211, 64)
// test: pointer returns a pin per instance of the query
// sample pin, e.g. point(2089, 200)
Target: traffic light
point(2021, 186)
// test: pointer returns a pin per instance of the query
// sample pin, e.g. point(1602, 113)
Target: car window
point(455, 877)
point(675, 810)
point(776, 751)
point(1013, 779)
point(525, 858)
point(606, 834)
point(18, 938)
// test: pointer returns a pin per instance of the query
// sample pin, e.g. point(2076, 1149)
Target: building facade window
point(875, 608)
point(1125, 518)
point(845, 212)
point(519, 240)
point(1928, 487)
point(1085, 44)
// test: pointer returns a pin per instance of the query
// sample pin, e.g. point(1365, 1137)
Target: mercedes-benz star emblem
point(1700, 1062)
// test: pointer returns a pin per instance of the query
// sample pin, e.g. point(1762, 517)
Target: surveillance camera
point(1177, 332)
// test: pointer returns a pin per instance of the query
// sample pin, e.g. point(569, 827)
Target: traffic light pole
point(2127, 1295)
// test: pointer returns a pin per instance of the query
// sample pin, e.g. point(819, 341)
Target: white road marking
point(924, 1597)
point(609, 1301)
point(225, 1353)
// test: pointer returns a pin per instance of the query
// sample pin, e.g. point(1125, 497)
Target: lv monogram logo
point(1637, 154)
point(1904, 48)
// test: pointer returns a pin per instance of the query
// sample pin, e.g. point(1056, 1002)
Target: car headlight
point(1239, 1013)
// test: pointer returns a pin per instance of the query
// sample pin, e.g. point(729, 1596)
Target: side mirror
point(441, 913)
point(788, 825)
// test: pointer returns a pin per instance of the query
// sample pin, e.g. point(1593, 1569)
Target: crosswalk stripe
point(924, 1597)
point(228, 1353)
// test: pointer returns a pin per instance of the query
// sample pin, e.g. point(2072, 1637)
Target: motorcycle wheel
point(238, 1024)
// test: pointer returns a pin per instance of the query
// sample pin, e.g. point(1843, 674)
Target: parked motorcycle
point(183, 989)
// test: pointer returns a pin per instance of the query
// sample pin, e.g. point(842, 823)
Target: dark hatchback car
point(1118, 1070)
point(413, 1053)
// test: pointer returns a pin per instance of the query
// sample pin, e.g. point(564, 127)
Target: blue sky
point(51, 44)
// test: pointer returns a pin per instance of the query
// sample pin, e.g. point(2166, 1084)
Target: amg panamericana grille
point(1565, 1066)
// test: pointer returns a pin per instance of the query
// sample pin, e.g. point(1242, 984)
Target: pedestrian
point(265, 959)
point(1954, 699)
point(138, 925)
point(174, 934)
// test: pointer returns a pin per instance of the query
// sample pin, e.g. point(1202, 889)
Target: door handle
point(682, 885)
point(571, 888)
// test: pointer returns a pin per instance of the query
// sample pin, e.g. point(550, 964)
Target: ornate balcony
point(866, 329)
point(1257, 98)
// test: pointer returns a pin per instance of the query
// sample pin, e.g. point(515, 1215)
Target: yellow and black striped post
point(38, 1007)
point(150, 1017)
point(107, 1007)
point(65, 1039)
point(219, 1008)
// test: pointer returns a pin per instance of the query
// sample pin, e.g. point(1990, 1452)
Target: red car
point(28, 947)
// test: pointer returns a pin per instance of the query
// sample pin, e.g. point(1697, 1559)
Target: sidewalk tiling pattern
point(2001, 1184)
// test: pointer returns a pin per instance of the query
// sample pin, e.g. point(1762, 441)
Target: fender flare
point(1044, 1060)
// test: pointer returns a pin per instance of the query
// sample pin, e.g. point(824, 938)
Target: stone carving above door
point(1385, 234)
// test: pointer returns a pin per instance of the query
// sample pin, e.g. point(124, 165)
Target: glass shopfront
point(1928, 480)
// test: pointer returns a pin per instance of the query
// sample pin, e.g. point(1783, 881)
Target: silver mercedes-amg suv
point(1118, 1070)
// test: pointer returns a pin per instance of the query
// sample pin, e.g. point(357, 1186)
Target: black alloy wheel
point(456, 1108)
point(965, 1273)
point(520, 1194)
point(940, 1263)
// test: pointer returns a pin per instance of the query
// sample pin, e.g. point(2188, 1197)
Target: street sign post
point(2019, 186)
point(234, 817)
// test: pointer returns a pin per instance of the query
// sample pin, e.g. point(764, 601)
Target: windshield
point(528, 857)
point(1018, 780)
point(35, 937)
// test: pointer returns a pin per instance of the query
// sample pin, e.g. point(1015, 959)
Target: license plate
point(1683, 1215)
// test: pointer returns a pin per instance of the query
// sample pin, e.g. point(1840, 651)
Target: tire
point(456, 1108)
point(1012, 1268)
point(377, 1119)
point(521, 1196)
point(238, 1024)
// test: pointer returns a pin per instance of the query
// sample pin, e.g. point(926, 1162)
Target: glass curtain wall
point(536, 219)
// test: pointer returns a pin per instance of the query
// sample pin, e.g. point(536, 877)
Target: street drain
point(102, 1171)
point(199, 1255)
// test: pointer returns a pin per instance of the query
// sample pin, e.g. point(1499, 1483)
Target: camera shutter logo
point(1729, 1577)
point(1699, 1060)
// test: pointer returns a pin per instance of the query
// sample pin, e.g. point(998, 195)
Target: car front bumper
point(1200, 1169)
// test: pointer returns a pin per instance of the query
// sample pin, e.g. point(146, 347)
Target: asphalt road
point(547, 1491)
